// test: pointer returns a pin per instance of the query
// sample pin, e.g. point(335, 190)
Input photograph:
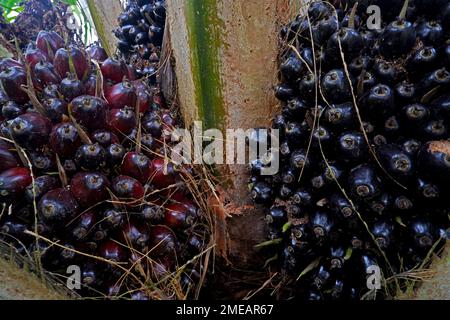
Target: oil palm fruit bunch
point(83, 164)
point(141, 32)
point(364, 146)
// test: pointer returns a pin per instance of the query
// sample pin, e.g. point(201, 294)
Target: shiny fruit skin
point(13, 183)
point(96, 52)
point(163, 175)
point(63, 58)
point(91, 157)
point(8, 160)
point(57, 207)
point(163, 241)
point(71, 87)
point(364, 182)
point(104, 138)
point(135, 234)
point(64, 139)
point(137, 166)
point(122, 121)
point(90, 111)
point(84, 225)
point(121, 95)
point(177, 217)
point(49, 42)
point(46, 74)
point(128, 189)
point(30, 130)
point(113, 251)
point(89, 188)
point(12, 79)
point(114, 70)
point(41, 186)
point(114, 155)
point(56, 109)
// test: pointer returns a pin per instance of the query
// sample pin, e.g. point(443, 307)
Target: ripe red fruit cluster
point(96, 188)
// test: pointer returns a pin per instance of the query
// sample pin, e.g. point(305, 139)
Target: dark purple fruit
point(113, 219)
point(397, 39)
point(364, 182)
point(56, 109)
point(322, 224)
point(423, 234)
point(8, 159)
point(71, 87)
point(178, 217)
point(13, 183)
point(122, 121)
point(352, 146)
point(90, 112)
point(49, 42)
point(128, 189)
point(64, 139)
point(162, 241)
point(57, 207)
point(46, 74)
point(121, 95)
point(114, 70)
point(30, 130)
point(90, 157)
point(114, 155)
point(12, 80)
point(104, 138)
point(41, 186)
point(405, 92)
point(396, 161)
point(379, 102)
point(137, 165)
point(84, 225)
point(284, 92)
point(89, 188)
point(261, 192)
point(135, 235)
point(340, 117)
point(335, 87)
point(113, 251)
point(350, 41)
point(74, 56)
point(430, 32)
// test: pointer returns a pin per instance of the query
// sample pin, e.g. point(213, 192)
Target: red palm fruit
point(112, 219)
point(121, 95)
point(11, 110)
point(12, 80)
point(104, 138)
point(65, 140)
point(57, 207)
point(149, 144)
point(56, 109)
point(114, 70)
point(8, 63)
point(131, 73)
point(51, 91)
point(114, 155)
point(46, 74)
point(97, 53)
point(49, 42)
point(163, 241)
point(122, 121)
point(90, 85)
point(128, 189)
point(89, 111)
point(30, 130)
point(143, 97)
point(168, 119)
point(34, 55)
point(113, 251)
point(90, 157)
point(163, 176)
point(152, 213)
point(84, 225)
point(135, 235)
point(41, 186)
point(190, 206)
point(137, 165)
point(158, 99)
point(13, 183)
point(8, 159)
point(71, 87)
point(43, 160)
point(89, 188)
point(178, 217)
point(64, 57)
